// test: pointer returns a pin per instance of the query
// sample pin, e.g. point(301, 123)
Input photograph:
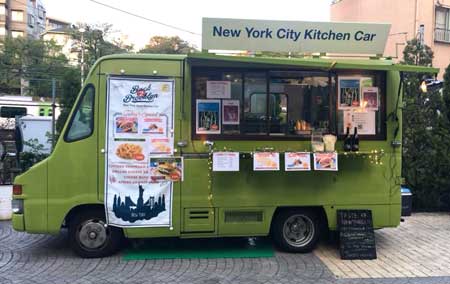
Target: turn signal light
point(17, 189)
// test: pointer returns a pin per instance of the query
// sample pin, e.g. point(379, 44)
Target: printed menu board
point(326, 161)
point(225, 162)
point(139, 126)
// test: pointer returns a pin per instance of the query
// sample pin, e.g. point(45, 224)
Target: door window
point(82, 121)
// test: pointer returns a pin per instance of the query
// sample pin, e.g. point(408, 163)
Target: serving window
point(285, 104)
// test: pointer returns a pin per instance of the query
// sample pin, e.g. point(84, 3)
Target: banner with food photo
point(140, 123)
point(166, 169)
point(266, 161)
point(297, 161)
point(327, 161)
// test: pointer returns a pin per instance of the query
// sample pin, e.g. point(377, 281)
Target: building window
point(442, 25)
point(31, 20)
point(17, 16)
point(2, 9)
point(16, 34)
point(41, 12)
point(2, 31)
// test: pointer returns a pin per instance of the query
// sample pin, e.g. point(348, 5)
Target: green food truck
point(197, 146)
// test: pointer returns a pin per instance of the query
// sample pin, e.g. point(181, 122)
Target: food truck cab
point(203, 145)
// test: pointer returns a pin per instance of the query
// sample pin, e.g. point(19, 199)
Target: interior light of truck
point(17, 206)
point(17, 189)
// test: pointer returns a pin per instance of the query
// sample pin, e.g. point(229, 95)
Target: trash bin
point(406, 201)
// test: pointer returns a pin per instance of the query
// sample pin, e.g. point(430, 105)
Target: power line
point(145, 18)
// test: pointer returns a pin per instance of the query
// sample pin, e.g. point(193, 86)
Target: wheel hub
point(298, 230)
point(92, 234)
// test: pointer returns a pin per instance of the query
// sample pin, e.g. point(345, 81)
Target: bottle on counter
point(355, 141)
point(347, 141)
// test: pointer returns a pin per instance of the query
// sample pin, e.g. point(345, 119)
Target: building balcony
point(442, 35)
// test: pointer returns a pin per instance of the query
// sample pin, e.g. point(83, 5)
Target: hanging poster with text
point(208, 117)
point(225, 162)
point(139, 125)
point(297, 161)
point(266, 161)
point(230, 112)
point(364, 121)
point(349, 93)
point(326, 161)
point(166, 169)
point(218, 89)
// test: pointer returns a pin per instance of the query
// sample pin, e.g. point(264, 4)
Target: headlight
point(17, 206)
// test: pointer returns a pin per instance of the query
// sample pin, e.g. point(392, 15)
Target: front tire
point(296, 230)
point(90, 237)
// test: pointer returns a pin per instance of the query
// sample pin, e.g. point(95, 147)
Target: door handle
point(102, 150)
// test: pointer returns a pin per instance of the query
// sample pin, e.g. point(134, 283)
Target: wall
point(405, 16)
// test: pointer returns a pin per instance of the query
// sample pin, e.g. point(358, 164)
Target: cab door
point(138, 196)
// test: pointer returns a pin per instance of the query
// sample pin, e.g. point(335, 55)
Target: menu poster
point(230, 112)
point(166, 169)
point(139, 120)
point(218, 89)
point(225, 162)
point(326, 161)
point(297, 161)
point(370, 98)
point(349, 92)
point(363, 121)
point(266, 161)
point(208, 117)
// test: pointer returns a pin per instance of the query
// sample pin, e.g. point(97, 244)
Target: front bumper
point(18, 222)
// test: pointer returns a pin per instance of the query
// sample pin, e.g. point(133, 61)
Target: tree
point(95, 42)
point(446, 90)
point(167, 45)
point(30, 65)
point(69, 92)
point(426, 136)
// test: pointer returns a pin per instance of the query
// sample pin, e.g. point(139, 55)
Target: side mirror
point(19, 140)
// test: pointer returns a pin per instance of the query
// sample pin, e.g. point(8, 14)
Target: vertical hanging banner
point(139, 125)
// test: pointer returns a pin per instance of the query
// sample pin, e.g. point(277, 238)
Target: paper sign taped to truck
point(139, 126)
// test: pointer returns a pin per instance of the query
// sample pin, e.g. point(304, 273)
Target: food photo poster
point(326, 161)
point(297, 161)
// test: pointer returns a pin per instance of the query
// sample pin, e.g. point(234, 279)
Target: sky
point(181, 13)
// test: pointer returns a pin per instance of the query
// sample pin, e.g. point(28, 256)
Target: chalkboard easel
point(356, 235)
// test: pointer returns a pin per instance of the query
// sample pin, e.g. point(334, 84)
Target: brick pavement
point(418, 248)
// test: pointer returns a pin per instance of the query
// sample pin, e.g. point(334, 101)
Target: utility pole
point(82, 30)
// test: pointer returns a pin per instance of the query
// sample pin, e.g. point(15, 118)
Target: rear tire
point(296, 230)
point(89, 236)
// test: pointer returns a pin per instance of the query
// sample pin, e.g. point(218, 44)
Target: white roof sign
point(285, 36)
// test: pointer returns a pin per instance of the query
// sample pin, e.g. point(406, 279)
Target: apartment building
point(406, 17)
point(22, 18)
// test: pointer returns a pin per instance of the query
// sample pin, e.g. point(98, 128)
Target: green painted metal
point(74, 174)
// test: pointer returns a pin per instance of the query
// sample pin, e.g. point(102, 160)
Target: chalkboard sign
point(356, 236)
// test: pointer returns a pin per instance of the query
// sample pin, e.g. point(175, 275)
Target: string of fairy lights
point(374, 157)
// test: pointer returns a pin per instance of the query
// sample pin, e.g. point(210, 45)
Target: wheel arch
point(80, 208)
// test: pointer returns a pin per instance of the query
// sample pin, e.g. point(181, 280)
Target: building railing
point(442, 35)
